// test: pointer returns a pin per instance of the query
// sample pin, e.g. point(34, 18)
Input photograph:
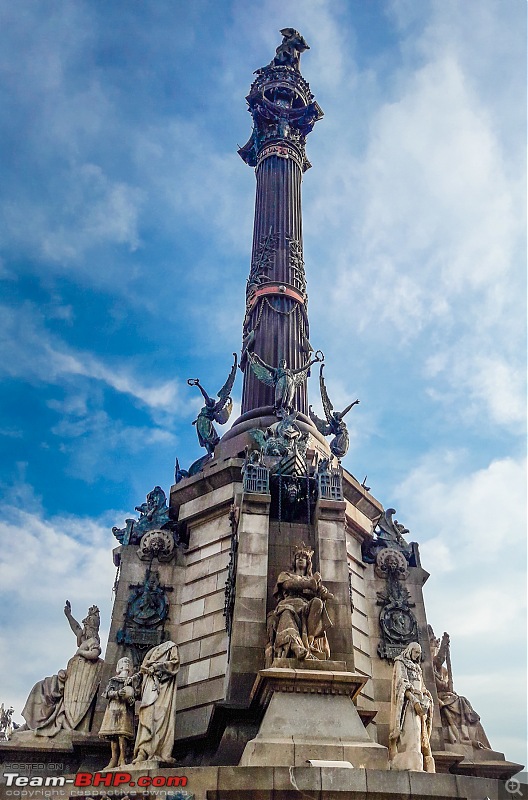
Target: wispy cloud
point(72, 559)
point(468, 525)
point(32, 353)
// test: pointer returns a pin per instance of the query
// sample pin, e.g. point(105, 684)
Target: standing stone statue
point(297, 628)
point(65, 700)
point(285, 381)
point(411, 715)
point(6, 723)
point(219, 411)
point(118, 721)
point(334, 421)
point(157, 710)
point(460, 721)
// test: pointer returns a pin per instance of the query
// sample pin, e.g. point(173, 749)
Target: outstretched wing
point(300, 378)
point(327, 405)
point(263, 373)
point(225, 391)
point(260, 437)
point(320, 424)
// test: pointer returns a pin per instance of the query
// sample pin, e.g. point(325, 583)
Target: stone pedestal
point(464, 759)
point(310, 715)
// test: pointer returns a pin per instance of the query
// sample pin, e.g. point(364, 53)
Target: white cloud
point(43, 562)
point(471, 527)
point(474, 514)
point(100, 211)
point(32, 353)
point(425, 230)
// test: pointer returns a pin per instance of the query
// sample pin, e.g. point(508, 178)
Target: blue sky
point(125, 234)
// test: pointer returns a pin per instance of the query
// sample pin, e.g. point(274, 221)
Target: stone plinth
point(283, 783)
point(477, 762)
point(310, 715)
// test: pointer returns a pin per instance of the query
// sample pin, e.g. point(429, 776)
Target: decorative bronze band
point(281, 151)
point(277, 289)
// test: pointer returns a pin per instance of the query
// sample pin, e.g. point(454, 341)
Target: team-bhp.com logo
point(95, 779)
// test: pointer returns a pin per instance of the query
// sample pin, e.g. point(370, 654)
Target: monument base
point(310, 716)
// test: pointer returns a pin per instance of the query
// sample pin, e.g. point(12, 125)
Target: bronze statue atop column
point(334, 421)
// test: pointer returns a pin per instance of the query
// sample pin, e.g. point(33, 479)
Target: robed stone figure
point(411, 719)
point(157, 709)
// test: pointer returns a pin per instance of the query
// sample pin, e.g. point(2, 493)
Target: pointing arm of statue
point(74, 625)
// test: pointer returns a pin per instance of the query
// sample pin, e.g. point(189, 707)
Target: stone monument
point(273, 591)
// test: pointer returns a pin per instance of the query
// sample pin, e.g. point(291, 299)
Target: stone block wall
point(201, 634)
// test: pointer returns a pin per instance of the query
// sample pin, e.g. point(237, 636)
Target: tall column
point(276, 320)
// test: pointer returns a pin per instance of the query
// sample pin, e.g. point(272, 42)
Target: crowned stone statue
point(297, 627)
point(65, 701)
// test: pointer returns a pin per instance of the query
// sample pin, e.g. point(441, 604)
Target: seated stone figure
point(65, 701)
point(460, 722)
point(297, 627)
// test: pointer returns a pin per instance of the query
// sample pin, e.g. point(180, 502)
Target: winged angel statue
point(285, 381)
point(217, 410)
point(334, 421)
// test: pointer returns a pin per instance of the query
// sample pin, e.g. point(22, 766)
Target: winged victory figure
point(334, 424)
point(285, 381)
point(217, 410)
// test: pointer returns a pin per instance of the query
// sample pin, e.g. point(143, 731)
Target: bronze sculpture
point(284, 381)
point(154, 515)
point(217, 410)
point(334, 421)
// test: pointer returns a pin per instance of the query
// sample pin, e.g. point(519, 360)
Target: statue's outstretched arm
point(261, 361)
point(74, 625)
point(196, 382)
point(319, 356)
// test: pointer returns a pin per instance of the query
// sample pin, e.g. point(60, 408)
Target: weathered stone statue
point(334, 421)
point(411, 714)
point(65, 701)
point(285, 381)
point(154, 515)
point(219, 411)
point(460, 721)
point(157, 710)
point(6, 723)
point(118, 721)
point(297, 627)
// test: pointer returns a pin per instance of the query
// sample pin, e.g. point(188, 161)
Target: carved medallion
point(398, 626)
point(390, 560)
point(157, 544)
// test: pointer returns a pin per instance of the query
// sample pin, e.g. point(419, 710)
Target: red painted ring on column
point(281, 289)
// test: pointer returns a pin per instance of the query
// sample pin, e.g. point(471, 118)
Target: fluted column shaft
point(278, 321)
